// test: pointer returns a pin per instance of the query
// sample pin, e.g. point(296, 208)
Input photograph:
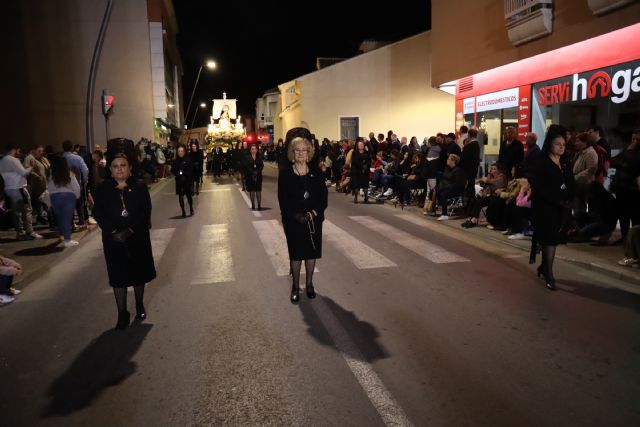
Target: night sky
point(258, 49)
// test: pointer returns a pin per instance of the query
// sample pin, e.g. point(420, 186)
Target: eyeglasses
point(300, 150)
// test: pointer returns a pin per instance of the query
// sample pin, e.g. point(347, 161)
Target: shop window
point(349, 127)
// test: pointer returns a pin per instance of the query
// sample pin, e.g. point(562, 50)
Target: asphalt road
point(415, 324)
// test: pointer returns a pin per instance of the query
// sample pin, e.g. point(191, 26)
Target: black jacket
point(129, 263)
point(470, 159)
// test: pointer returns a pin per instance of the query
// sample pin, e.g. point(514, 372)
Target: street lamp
point(203, 106)
point(211, 65)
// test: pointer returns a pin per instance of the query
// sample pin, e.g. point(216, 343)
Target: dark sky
point(258, 49)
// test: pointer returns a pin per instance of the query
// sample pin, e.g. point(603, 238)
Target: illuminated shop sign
point(616, 83)
point(497, 100)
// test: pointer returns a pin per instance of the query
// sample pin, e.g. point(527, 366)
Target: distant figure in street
point(302, 195)
point(253, 166)
point(197, 159)
point(183, 170)
point(551, 202)
point(123, 211)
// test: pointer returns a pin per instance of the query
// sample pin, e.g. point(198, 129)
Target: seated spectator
point(632, 248)
point(8, 270)
point(416, 178)
point(451, 184)
point(377, 171)
point(498, 206)
point(600, 219)
point(519, 213)
point(496, 180)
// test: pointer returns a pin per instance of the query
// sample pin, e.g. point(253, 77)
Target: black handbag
point(121, 236)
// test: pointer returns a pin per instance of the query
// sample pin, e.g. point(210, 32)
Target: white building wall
point(157, 70)
point(388, 89)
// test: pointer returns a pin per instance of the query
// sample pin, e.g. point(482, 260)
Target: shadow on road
point(51, 248)
point(105, 362)
point(362, 333)
point(611, 296)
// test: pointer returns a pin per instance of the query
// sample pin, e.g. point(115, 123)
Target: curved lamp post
point(211, 65)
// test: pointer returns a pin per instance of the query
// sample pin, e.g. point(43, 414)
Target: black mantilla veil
point(298, 132)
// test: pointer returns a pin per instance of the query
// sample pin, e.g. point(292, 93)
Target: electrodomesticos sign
point(497, 100)
point(616, 83)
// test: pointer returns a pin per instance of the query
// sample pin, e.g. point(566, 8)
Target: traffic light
point(107, 102)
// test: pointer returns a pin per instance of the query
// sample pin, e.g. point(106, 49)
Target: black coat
point(197, 159)
point(360, 165)
point(253, 172)
point(129, 263)
point(291, 189)
point(552, 191)
point(184, 171)
point(470, 159)
point(511, 154)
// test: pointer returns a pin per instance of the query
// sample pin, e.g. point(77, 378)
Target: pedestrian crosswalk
point(213, 260)
point(424, 248)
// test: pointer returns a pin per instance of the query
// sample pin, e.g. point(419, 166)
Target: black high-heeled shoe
point(295, 295)
point(311, 292)
point(550, 284)
point(123, 320)
point(141, 313)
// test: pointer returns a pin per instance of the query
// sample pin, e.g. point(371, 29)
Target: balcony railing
point(517, 9)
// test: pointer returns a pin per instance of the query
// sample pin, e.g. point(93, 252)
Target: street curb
point(607, 270)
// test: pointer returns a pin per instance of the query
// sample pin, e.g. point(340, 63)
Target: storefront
point(596, 81)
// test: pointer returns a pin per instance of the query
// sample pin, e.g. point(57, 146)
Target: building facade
point(51, 56)
point(578, 66)
point(267, 111)
point(383, 89)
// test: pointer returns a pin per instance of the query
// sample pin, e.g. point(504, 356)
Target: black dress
point(183, 170)
point(197, 159)
point(129, 263)
point(253, 173)
point(360, 165)
point(301, 243)
point(552, 190)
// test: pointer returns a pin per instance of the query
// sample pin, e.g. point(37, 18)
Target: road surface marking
point(275, 245)
point(468, 238)
point(160, 239)
point(358, 252)
point(248, 202)
point(213, 190)
point(213, 256)
point(388, 408)
point(425, 249)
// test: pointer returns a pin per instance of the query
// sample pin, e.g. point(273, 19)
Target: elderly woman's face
point(301, 152)
point(120, 169)
point(360, 146)
point(181, 151)
point(557, 146)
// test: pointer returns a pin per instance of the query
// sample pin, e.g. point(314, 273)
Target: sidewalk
point(600, 259)
point(36, 256)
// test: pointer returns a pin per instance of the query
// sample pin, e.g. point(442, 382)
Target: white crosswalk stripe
point(213, 262)
point(425, 249)
point(360, 254)
point(160, 239)
point(275, 244)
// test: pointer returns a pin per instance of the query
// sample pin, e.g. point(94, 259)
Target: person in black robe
point(123, 210)
point(196, 155)
point(253, 166)
point(551, 196)
point(183, 170)
point(360, 168)
point(302, 195)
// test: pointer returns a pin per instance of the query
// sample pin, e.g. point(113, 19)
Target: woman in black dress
point(253, 166)
point(302, 195)
point(197, 159)
point(360, 165)
point(183, 170)
point(552, 192)
point(123, 210)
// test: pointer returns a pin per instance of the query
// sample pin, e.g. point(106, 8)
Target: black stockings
point(121, 297)
point(256, 196)
point(295, 272)
point(548, 255)
point(189, 199)
point(309, 266)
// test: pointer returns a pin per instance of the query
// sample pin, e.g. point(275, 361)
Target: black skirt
point(301, 242)
point(253, 181)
